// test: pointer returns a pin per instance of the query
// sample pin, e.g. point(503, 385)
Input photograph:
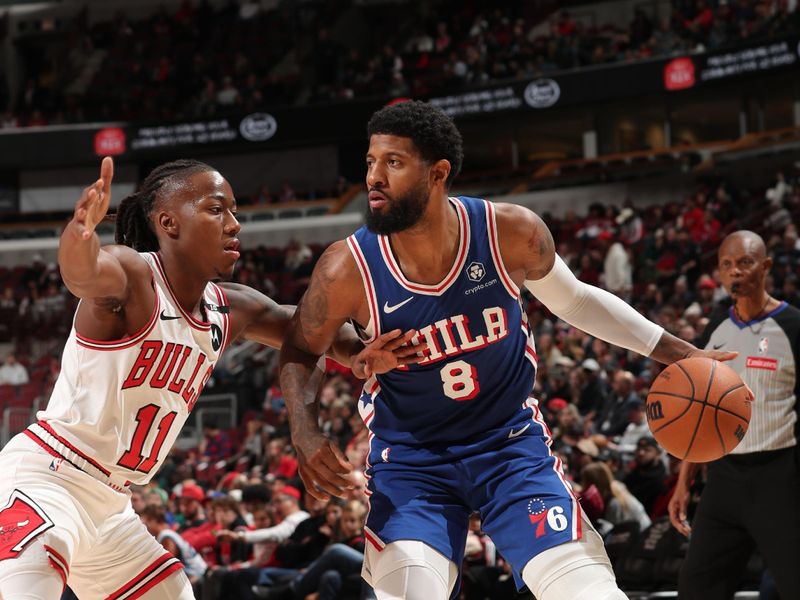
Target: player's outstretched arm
point(257, 317)
point(88, 270)
point(332, 297)
point(528, 250)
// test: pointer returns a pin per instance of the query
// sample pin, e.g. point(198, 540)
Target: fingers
point(677, 516)
point(107, 173)
point(750, 392)
point(722, 356)
point(326, 473)
point(392, 340)
point(311, 487)
point(410, 350)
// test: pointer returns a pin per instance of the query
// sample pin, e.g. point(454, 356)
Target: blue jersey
point(479, 363)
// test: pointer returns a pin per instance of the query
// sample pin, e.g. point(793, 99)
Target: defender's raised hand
point(94, 201)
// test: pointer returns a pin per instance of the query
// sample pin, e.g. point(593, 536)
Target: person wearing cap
point(190, 506)
point(636, 429)
point(594, 391)
point(646, 479)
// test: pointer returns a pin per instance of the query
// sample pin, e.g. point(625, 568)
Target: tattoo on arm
point(542, 248)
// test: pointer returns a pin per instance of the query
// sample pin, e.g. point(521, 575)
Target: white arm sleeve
point(597, 312)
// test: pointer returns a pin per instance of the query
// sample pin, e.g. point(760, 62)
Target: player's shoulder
point(516, 220)
point(130, 260)
point(337, 262)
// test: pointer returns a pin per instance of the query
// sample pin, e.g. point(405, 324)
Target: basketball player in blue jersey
point(457, 432)
point(148, 330)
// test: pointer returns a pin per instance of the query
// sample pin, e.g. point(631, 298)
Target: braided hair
point(133, 227)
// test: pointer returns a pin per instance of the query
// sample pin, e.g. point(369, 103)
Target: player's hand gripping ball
point(698, 409)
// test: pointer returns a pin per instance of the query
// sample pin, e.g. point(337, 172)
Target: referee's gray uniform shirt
point(767, 362)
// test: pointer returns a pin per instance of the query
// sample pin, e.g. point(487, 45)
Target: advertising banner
point(338, 123)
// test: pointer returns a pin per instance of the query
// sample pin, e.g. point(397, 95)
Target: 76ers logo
point(540, 516)
point(21, 520)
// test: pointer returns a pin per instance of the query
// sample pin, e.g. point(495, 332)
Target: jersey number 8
point(460, 381)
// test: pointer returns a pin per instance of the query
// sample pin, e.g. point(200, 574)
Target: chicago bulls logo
point(21, 520)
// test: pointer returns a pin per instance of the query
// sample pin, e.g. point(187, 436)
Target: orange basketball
point(698, 409)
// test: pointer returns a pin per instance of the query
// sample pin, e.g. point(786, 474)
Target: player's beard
point(400, 213)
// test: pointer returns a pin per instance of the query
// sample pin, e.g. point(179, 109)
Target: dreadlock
point(133, 227)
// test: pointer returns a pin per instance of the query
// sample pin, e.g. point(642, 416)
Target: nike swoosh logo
point(512, 434)
point(164, 317)
point(390, 309)
point(718, 346)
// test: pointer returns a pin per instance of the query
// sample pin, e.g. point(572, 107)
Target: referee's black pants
point(750, 501)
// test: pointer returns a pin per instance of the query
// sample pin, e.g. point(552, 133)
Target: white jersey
point(118, 406)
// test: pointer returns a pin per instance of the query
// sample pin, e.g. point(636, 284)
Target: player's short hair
point(429, 128)
point(133, 226)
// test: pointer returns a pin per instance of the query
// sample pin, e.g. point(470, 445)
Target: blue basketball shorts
point(510, 477)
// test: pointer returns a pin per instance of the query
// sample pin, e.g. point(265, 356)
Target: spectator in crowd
point(647, 479)
point(190, 506)
point(617, 269)
point(595, 392)
point(613, 417)
point(13, 372)
point(286, 504)
point(637, 427)
point(216, 444)
point(324, 578)
point(620, 504)
point(155, 520)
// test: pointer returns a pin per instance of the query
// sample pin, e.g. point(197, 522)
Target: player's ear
point(166, 222)
point(440, 170)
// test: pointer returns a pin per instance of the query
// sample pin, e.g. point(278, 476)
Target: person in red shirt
point(280, 464)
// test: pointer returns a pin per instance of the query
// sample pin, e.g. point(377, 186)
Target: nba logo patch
point(55, 464)
point(385, 454)
point(763, 345)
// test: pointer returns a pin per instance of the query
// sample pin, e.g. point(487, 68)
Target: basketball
point(698, 409)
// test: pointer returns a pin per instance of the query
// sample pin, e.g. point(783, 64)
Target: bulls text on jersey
point(169, 370)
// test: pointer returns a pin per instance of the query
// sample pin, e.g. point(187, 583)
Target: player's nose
point(376, 176)
point(232, 225)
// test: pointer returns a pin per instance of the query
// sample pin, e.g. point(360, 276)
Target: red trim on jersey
point(494, 247)
point(127, 341)
point(373, 541)
point(44, 446)
point(44, 425)
point(148, 572)
point(196, 323)
point(226, 317)
point(58, 563)
point(458, 265)
point(369, 288)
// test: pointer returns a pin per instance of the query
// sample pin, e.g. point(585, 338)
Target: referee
point(752, 497)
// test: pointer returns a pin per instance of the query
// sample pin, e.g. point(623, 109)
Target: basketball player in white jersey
point(150, 326)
